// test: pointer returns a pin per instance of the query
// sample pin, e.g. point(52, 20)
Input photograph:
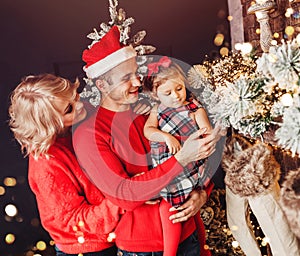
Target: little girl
point(168, 126)
point(73, 211)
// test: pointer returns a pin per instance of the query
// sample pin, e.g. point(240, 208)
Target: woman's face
point(72, 110)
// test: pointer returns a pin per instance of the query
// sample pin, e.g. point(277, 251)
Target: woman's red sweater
point(72, 209)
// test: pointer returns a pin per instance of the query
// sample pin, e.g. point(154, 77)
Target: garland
point(254, 95)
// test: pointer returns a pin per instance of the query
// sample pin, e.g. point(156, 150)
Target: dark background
point(49, 36)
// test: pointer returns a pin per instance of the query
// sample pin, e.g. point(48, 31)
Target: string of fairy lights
point(243, 62)
point(219, 236)
point(227, 69)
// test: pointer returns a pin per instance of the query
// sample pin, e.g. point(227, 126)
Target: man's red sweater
point(70, 206)
point(111, 148)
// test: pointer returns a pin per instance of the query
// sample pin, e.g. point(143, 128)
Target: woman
point(73, 211)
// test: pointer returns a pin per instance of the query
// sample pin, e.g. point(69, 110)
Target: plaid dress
point(178, 123)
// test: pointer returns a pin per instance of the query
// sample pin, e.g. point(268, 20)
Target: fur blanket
point(250, 169)
point(290, 200)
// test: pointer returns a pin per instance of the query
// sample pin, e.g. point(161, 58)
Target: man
point(114, 153)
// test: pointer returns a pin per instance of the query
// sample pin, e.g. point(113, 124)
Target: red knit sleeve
point(109, 173)
point(68, 203)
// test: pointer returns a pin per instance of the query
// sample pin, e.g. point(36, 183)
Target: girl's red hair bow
point(154, 67)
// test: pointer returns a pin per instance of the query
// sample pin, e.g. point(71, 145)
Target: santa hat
point(106, 54)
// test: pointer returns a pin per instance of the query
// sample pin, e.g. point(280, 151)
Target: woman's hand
point(193, 205)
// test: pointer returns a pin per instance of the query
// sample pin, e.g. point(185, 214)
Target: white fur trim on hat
point(110, 61)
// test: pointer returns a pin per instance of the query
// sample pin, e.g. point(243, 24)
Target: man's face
point(124, 88)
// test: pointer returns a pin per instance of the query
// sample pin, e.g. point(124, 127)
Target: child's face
point(172, 93)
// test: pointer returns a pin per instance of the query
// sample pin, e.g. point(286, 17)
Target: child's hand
point(172, 144)
point(218, 131)
point(142, 108)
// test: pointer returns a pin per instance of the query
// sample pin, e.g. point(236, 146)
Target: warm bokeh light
point(2, 191)
point(10, 238)
point(224, 51)
point(238, 46)
point(265, 241)
point(219, 38)
point(257, 31)
point(81, 239)
point(111, 237)
point(10, 182)
point(246, 48)
point(289, 30)
point(206, 247)
point(120, 17)
point(41, 245)
point(235, 244)
point(11, 210)
point(289, 12)
point(229, 18)
point(276, 35)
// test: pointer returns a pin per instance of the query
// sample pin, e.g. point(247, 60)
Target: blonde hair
point(164, 74)
point(34, 120)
